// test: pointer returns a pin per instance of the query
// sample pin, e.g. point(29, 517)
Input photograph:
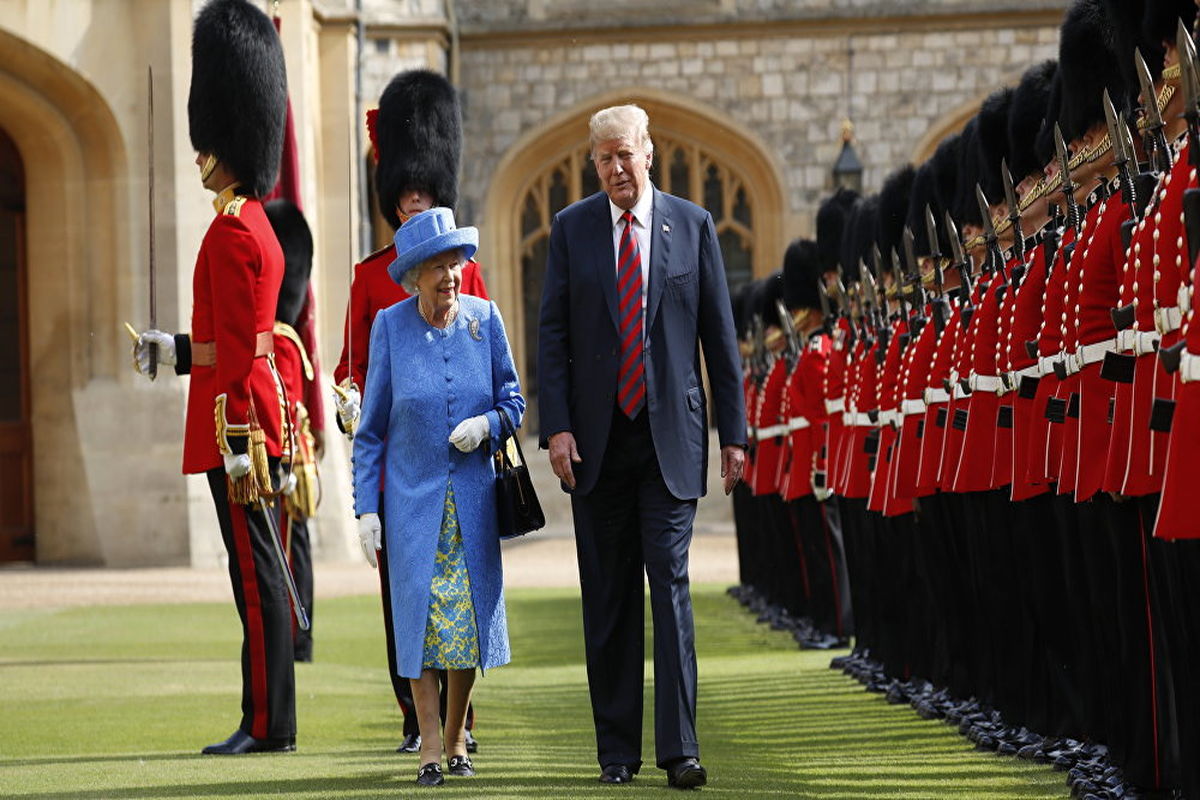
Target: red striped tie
point(631, 377)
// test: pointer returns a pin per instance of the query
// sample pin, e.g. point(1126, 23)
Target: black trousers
point(401, 687)
point(298, 547)
point(268, 676)
point(630, 523)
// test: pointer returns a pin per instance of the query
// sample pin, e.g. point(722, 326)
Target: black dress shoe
point(616, 773)
point(411, 744)
point(686, 773)
point(472, 745)
point(241, 743)
point(460, 766)
point(430, 774)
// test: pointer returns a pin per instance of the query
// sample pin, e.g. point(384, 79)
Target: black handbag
point(517, 508)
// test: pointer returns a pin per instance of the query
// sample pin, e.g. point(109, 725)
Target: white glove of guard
point(289, 483)
point(470, 433)
point(141, 350)
point(237, 465)
point(370, 536)
point(349, 409)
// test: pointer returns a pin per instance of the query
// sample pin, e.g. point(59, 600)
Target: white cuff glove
point(141, 350)
point(237, 465)
point(470, 433)
point(289, 483)
point(370, 536)
point(349, 408)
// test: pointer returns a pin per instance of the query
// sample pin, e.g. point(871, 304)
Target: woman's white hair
point(621, 122)
point(408, 281)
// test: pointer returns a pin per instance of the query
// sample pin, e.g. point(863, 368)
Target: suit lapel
point(605, 259)
point(660, 254)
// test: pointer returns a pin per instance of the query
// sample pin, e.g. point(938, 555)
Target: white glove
point(349, 409)
point(141, 350)
point(470, 433)
point(370, 536)
point(289, 483)
point(237, 465)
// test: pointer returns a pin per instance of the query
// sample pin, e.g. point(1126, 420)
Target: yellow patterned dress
point(451, 639)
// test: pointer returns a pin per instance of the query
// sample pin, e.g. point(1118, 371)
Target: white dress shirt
point(642, 211)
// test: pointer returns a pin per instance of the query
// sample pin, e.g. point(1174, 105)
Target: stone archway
point(700, 154)
point(89, 428)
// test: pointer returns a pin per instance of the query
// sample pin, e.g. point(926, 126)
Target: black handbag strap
point(508, 431)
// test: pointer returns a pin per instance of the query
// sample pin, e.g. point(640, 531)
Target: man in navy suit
point(634, 288)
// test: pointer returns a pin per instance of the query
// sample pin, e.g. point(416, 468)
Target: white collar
point(641, 209)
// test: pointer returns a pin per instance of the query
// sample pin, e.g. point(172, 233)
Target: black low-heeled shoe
point(430, 774)
point(461, 766)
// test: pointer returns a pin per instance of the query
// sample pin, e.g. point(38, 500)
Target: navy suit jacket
point(687, 308)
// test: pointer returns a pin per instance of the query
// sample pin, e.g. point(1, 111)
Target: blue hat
point(427, 234)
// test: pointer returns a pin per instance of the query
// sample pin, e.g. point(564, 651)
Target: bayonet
point(935, 255)
point(992, 262)
point(1156, 140)
point(1191, 90)
point(1121, 156)
point(1068, 187)
point(826, 306)
point(789, 329)
point(959, 260)
point(1014, 210)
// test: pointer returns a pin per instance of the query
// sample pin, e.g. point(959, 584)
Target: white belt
point(1092, 353)
point(959, 393)
point(1125, 340)
point(1167, 320)
point(937, 395)
point(1189, 367)
point(1067, 358)
point(797, 423)
point(860, 419)
point(835, 406)
point(1045, 365)
point(985, 383)
point(751, 432)
point(772, 431)
point(1034, 371)
point(910, 407)
point(1142, 342)
point(1184, 298)
point(888, 417)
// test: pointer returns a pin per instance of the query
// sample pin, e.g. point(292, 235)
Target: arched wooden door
point(16, 441)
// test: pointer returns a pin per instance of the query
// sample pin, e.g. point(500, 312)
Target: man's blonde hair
point(620, 122)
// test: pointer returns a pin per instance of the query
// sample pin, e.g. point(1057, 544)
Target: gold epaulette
point(234, 207)
point(289, 333)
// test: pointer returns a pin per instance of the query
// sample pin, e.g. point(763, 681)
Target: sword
point(277, 547)
point(1014, 211)
point(153, 348)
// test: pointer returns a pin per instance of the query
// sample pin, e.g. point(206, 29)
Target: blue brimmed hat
point(427, 234)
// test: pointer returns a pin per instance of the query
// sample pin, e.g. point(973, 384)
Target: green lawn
point(116, 701)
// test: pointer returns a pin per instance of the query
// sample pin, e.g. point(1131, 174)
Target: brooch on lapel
point(473, 329)
point(666, 228)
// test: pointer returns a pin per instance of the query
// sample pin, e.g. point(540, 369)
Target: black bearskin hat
point(944, 168)
point(1125, 19)
point(993, 141)
point(831, 220)
point(893, 208)
point(1043, 143)
point(295, 238)
point(801, 275)
point(1087, 59)
point(737, 300)
point(966, 204)
point(922, 193)
point(1160, 22)
point(418, 140)
point(772, 290)
point(858, 237)
point(237, 106)
point(1025, 115)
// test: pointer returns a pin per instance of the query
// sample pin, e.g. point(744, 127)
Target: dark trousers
point(268, 676)
point(298, 547)
point(401, 687)
point(630, 522)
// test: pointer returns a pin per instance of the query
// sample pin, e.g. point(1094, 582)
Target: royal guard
point(236, 432)
point(300, 480)
point(416, 137)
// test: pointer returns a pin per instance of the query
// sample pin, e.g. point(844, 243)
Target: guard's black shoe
point(411, 744)
point(616, 773)
point(460, 766)
point(241, 743)
point(686, 773)
point(472, 745)
point(430, 774)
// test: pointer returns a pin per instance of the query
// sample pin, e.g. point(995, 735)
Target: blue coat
point(687, 308)
point(421, 383)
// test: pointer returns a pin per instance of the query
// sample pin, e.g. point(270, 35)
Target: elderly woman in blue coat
point(441, 374)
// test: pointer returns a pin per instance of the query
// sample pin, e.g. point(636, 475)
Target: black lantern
point(848, 169)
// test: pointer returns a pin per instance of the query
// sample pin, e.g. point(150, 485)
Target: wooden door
point(16, 444)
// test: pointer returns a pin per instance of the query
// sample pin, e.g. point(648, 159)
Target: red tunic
point(372, 291)
point(937, 406)
point(960, 361)
point(835, 407)
point(889, 403)
point(914, 377)
point(1025, 307)
point(979, 439)
point(235, 288)
point(771, 428)
point(1045, 438)
point(860, 398)
point(806, 417)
